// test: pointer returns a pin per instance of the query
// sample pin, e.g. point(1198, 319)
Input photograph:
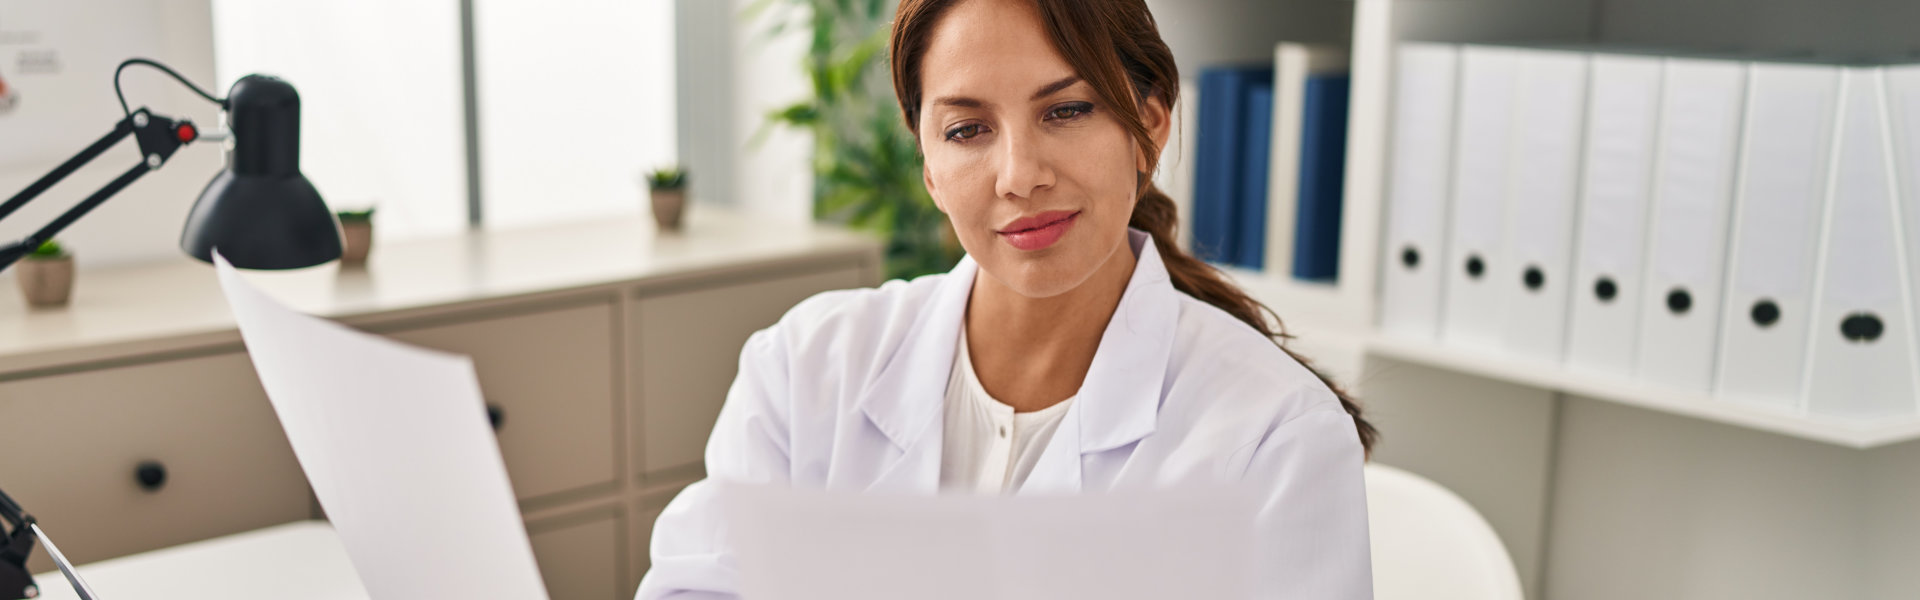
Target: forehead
point(989, 48)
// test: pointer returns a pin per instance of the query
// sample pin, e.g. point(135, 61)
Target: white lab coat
point(846, 392)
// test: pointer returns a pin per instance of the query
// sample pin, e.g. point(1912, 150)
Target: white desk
point(296, 561)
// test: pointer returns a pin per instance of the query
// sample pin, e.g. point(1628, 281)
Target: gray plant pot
point(358, 236)
point(668, 207)
point(46, 282)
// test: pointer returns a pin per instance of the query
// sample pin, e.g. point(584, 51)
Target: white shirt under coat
point(987, 447)
point(847, 393)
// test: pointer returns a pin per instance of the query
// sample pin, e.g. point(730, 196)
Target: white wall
point(776, 175)
point(729, 78)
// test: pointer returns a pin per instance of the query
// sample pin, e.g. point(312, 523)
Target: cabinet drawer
point(646, 511)
point(75, 443)
point(580, 556)
point(548, 377)
point(688, 350)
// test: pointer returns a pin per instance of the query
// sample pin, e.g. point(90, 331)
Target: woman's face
point(1036, 173)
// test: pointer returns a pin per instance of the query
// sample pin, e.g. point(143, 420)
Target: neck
point(1032, 353)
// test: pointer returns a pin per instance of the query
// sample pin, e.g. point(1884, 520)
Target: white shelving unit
point(1341, 318)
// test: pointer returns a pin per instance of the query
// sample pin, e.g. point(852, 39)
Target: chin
point(1045, 275)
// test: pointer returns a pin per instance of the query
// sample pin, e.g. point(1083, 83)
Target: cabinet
point(548, 378)
point(124, 459)
point(580, 555)
point(687, 344)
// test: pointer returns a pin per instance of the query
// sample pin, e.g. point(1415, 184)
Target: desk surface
point(179, 301)
point(296, 561)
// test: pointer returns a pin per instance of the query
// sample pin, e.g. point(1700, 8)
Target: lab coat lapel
point(905, 401)
point(1119, 402)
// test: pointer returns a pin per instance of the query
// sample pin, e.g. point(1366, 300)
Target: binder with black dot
point(1861, 364)
point(1417, 189)
point(1786, 169)
point(1695, 154)
point(1623, 117)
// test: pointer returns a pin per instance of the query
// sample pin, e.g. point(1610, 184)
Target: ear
point(926, 177)
point(1159, 121)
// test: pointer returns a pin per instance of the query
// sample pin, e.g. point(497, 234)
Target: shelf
point(1699, 405)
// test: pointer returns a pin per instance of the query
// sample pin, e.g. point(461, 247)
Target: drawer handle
point(151, 475)
point(496, 416)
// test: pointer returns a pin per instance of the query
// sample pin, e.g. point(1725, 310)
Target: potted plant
point(668, 186)
point(46, 275)
point(356, 228)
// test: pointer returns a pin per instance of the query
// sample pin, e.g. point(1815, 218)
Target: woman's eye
point(963, 132)
point(1068, 111)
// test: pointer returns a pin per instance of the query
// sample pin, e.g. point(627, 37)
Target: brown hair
point(1115, 46)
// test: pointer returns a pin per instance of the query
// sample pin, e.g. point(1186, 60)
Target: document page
point(396, 444)
point(813, 545)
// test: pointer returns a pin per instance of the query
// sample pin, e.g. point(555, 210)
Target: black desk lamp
point(259, 211)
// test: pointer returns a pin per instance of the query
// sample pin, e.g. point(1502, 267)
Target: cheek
point(1102, 165)
point(961, 178)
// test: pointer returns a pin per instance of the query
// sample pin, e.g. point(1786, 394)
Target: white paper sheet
point(396, 443)
point(811, 545)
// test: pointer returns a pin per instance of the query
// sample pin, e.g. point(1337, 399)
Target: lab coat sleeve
point(749, 445)
point(1313, 509)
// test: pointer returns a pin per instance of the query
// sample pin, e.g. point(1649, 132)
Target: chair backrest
point(1430, 544)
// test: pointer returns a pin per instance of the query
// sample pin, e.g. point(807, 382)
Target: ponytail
point(1155, 214)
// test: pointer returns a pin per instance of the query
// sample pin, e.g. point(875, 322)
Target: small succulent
point(48, 250)
point(667, 178)
point(355, 216)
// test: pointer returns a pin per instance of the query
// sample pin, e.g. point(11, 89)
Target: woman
point(1076, 348)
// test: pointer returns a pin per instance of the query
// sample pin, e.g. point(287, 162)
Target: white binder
point(1903, 111)
point(1533, 268)
point(1696, 147)
point(1415, 250)
point(1785, 162)
point(1862, 348)
point(1483, 132)
point(1623, 114)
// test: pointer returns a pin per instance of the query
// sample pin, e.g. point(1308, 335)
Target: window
point(576, 103)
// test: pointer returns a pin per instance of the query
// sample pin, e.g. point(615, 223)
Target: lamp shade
point(260, 211)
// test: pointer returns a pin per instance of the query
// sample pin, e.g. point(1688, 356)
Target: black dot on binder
point(1862, 327)
point(1679, 301)
point(1476, 267)
point(1410, 257)
point(1765, 313)
point(1534, 279)
point(1605, 290)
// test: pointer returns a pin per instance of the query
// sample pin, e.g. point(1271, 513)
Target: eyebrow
point(1046, 90)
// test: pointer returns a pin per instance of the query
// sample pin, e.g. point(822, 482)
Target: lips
point(1039, 231)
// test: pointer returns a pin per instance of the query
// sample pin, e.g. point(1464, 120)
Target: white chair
point(1430, 544)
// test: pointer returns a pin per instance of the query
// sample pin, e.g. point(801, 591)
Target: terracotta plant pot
point(46, 282)
point(358, 236)
point(668, 207)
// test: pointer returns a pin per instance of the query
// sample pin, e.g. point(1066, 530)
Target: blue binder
point(1217, 166)
point(1256, 147)
point(1323, 163)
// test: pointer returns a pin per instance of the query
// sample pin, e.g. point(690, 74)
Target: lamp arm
point(158, 137)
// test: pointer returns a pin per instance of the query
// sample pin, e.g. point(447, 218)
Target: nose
point(1024, 169)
